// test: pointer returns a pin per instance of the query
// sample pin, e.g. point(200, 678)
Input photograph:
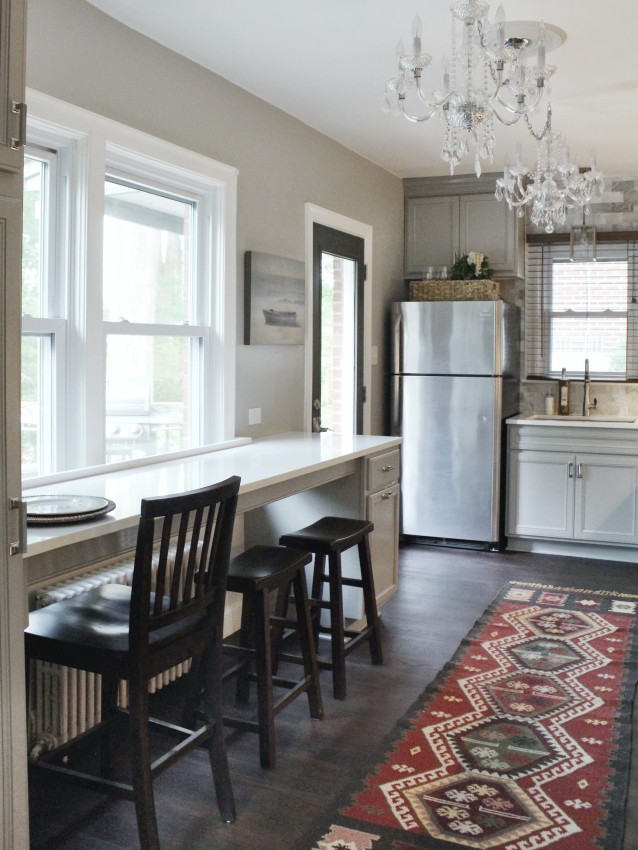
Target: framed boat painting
point(274, 302)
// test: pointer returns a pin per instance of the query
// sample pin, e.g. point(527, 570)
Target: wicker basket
point(455, 290)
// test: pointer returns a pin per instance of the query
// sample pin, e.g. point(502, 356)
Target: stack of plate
point(60, 509)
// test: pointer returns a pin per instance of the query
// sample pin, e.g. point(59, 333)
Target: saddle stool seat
point(328, 538)
point(256, 573)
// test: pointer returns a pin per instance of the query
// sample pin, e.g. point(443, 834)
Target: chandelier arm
point(506, 122)
point(417, 119)
point(522, 108)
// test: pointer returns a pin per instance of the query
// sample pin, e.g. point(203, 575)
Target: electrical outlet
point(254, 415)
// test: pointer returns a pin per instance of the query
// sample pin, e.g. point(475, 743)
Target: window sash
point(539, 312)
point(90, 149)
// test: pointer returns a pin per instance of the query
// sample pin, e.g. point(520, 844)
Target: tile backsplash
point(613, 399)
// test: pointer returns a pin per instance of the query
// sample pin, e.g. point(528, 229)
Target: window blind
point(582, 308)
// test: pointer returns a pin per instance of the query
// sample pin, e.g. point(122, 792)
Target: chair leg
point(141, 765)
point(370, 601)
point(263, 664)
point(306, 639)
point(109, 688)
point(214, 714)
point(337, 636)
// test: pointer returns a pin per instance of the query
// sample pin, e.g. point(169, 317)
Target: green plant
point(472, 266)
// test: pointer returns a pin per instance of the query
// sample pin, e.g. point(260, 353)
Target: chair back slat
point(162, 562)
point(190, 572)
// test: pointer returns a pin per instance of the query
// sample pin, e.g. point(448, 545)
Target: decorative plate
point(54, 508)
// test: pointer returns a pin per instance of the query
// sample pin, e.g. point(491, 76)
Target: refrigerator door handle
point(397, 343)
point(396, 417)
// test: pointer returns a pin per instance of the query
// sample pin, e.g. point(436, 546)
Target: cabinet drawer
point(383, 470)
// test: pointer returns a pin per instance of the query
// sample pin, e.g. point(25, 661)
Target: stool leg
point(337, 636)
point(277, 629)
point(263, 663)
point(317, 593)
point(306, 639)
point(370, 600)
point(246, 638)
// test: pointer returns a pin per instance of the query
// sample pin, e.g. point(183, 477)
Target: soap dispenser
point(563, 394)
point(550, 407)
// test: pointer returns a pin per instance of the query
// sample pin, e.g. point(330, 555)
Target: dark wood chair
point(173, 612)
point(328, 538)
point(257, 573)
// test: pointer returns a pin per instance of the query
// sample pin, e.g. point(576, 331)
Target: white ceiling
point(326, 63)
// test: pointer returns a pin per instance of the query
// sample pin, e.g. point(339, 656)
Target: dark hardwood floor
point(442, 591)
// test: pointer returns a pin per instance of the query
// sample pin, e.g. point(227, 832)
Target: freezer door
point(451, 428)
point(447, 337)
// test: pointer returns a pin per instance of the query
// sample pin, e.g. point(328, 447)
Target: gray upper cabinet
point(440, 226)
point(12, 106)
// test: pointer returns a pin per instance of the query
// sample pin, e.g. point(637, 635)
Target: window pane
point(33, 284)
point(148, 387)
point(338, 349)
point(589, 287)
point(602, 340)
point(147, 254)
point(35, 405)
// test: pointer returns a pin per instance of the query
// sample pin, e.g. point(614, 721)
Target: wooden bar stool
point(255, 574)
point(329, 537)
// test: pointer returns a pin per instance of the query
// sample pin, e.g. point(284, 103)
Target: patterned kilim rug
point(521, 742)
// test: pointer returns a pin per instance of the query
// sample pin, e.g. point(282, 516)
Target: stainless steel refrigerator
point(455, 379)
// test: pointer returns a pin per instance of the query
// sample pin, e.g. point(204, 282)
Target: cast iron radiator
point(65, 702)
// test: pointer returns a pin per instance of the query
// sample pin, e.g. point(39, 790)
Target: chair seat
point(264, 567)
point(328, 535)
point(97, 621)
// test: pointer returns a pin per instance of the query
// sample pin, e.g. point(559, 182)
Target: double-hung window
point(128, 295)
point(582, 308)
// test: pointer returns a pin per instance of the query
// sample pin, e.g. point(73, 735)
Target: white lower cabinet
point(579, 496)
point(382, 508)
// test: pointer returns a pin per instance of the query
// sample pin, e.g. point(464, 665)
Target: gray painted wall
point(80, 55)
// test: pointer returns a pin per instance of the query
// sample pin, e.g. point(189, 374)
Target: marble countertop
point(260, 463)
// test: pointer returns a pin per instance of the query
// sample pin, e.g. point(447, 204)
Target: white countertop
point(593, 421)
point(261, 463)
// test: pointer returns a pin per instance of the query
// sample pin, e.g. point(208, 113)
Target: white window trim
point(94, 141)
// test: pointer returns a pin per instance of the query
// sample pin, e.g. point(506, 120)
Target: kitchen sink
point(593, 420)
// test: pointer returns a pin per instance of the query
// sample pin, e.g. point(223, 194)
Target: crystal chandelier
point(553, 187)
point(488, 77)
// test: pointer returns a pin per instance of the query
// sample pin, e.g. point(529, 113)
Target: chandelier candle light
point(487, 77)
point(496, 73)
point(553, 187)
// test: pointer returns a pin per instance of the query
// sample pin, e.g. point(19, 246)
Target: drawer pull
point(387, 495)
point(386, 468)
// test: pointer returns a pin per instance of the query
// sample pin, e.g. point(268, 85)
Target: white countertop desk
point(326, 467)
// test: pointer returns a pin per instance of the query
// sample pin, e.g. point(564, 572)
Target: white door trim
point(319, 215)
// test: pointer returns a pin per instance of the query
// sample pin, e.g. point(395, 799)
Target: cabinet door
point(489, 226)
point(383, 510)
point(431, 234)
point(606, 507)
point(12, 107)
point(541, 494)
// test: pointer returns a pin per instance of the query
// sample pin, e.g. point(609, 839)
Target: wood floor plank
point(442, 592)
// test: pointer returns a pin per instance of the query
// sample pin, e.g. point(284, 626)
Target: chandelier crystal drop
point(553, 187)
point(488, 78)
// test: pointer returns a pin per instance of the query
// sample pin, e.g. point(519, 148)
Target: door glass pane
point(148, 388)
point(338, 343)
point(36, 405)
point(147, 256)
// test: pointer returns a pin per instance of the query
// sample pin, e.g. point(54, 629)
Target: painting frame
point(274, 300)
